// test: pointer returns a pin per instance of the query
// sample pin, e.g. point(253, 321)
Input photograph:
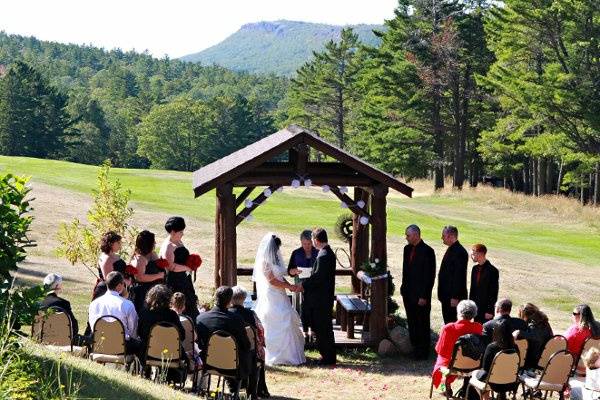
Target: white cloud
point(175, 27)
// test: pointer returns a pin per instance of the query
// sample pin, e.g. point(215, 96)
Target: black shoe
point(326, 363)
point(263, 395)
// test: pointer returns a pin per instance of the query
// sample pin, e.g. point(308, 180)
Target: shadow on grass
point(27, 275)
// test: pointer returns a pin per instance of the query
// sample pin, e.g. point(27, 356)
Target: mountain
point(279, 47)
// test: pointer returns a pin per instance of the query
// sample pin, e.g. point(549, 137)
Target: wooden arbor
point(259, 165)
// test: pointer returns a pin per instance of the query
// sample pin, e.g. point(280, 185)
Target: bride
point(283, 337)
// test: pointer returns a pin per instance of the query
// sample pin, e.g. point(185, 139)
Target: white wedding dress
point(283, 336)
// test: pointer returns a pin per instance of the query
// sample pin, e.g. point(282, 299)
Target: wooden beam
point(359, 252)
point(284, 179)
point(226, 240)
point(299, 159)
point(245, 193)
point(379, 291)
point(258, 200)
point(349, 202)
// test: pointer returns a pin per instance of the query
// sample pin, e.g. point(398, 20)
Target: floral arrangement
point(162, 263)
point(374, 268)
point(193, 262)
point(131, 271)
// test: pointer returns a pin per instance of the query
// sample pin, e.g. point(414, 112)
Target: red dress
point(575, 339)
point(448, 337)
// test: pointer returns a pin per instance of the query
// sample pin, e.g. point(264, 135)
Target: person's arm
point(493, 293)
point(317, 279)
point(273, 280)
point(488, 357)
point(460, 274)
point(292, 268)
point(140, 263)
point(429, 278)
point(441, 343)
point(132, 319)
point(75, 325)
point(173, 266)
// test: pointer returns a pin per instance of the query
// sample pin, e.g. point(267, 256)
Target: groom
point(319, 295)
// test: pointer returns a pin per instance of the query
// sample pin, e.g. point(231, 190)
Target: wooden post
point(225, 237)
point(379, 288)
point(360, 239)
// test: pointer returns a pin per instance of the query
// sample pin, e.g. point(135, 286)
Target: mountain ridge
point(278, 47)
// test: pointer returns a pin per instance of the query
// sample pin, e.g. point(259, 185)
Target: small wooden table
point(348, 307)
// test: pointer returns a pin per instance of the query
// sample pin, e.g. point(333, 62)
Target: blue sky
point(172, 27)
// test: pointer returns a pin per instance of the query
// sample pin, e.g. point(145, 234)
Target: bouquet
point(193, 262)
point(162, 263)
point(131, 271)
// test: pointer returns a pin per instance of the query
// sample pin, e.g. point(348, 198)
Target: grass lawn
point(547, 250)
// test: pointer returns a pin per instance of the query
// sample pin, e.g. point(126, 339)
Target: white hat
point(53, 280)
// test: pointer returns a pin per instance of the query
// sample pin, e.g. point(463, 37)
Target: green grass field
point(547, 250)
point(296, 209)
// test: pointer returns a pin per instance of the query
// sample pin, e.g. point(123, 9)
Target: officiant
point(301, 262)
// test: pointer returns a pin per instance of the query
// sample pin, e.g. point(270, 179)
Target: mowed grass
point(547, 250)
point(496, 225)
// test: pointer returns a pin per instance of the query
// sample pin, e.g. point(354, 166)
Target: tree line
point(84, 104)
point(467, 90)
point(459, 90)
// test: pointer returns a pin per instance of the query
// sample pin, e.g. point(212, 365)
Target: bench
point(348, 307)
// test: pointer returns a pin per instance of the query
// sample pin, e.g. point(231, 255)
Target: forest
point(461, 92)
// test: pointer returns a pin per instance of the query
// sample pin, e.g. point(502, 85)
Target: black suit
point(52, 300)
point(516, 324)
point(484, 291)
point(222, 320)
point(320, 293)
point(418, 276)
point(452, 279)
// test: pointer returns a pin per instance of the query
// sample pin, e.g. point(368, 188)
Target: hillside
point(550, 244)
point(278, 47)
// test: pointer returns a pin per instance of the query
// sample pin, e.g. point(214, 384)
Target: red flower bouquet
point(162, 263)
point(131, 271)
point(193, 262)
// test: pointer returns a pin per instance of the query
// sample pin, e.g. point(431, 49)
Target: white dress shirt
point(111, 303)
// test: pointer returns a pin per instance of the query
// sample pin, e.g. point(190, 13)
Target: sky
point(171, 27)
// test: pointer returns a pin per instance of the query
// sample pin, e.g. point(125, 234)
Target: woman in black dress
point(110, 260)
point(149, 274)
point(179, 274)
point(502, 339)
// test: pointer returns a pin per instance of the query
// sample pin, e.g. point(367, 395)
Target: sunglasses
point(576, 313)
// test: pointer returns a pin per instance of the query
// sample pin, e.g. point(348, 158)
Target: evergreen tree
point(323, 93)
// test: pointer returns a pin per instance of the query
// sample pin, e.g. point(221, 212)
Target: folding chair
point(460, 365)
point(223, 361)
point(504, 371)
point(522, 346)
point(555, 344)
point(108, 344)
point(164, 351)
point(53, 329)
point(554, 377)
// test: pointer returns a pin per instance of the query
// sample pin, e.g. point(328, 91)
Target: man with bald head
point(418, 276)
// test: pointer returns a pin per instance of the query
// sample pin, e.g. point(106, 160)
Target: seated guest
point(584, 326)
point(502, 339)
point(502, 310)
point(251, 319)
point(54, 283)
point(156, 310)
point(219, 319)
point(113, 303)
point(178, 304)
point(538, 332)
point(467, 311)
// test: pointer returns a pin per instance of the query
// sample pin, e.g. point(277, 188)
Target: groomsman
point(418, 276)
point(452, 278)
point(484, 284)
